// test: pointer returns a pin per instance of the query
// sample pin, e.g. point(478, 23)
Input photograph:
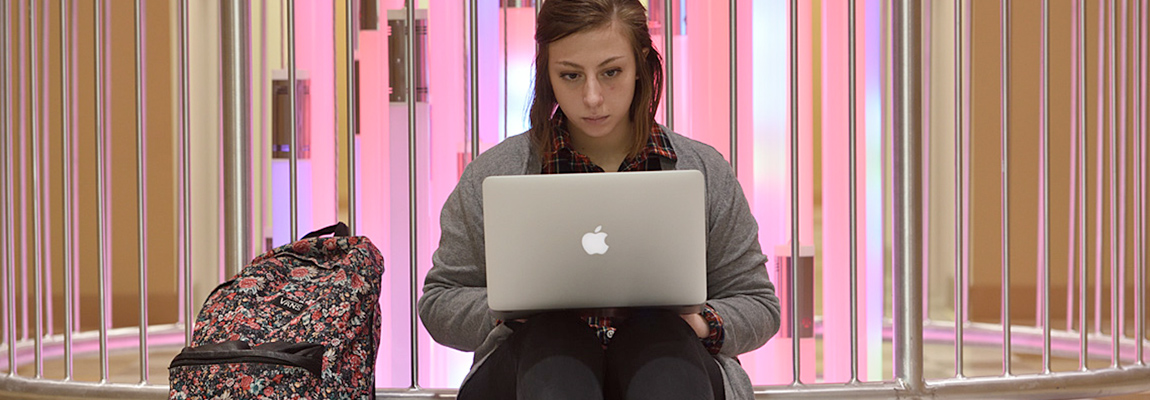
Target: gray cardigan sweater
point(454, 302)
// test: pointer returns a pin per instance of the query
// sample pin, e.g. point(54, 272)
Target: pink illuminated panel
point(770, 192)
point(835, 206)
point(375, 201)
point(314, 52)
point(442, 150)
point(448, 138)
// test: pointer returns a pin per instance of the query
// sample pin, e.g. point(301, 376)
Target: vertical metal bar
point(669, 61)
point(235, 38)
point(1124, 169)
point(4, 156)
point(1073, 230)
point(101, 182)
point(1113, 185)
point(1140, 229)
point(261, 153)
point(473, 50)
point(907, 257)
point(925, 143)
point(734, 36)
point(293, 167)
point(5, 229)
point(142, 185)
point(1138, 184)
point(37, 215)
point(9, 260)
point(352, 112)
point(335, 85)
point(506, 62)
point(1121, 171)
point(960, 218)
point(966, 90)
point(852, 146)
point(1099, 179)
point(1045, 150)
point(185, 134)
point(22, 175)
point(793, 309)
point(1004, 79)
point(1111, 100)
point(261, 219)
point(46, 179)
point(1082, 173)
point(409, 77)
point(1143, 48)
point(75, 148)
point(9, 177)
point(66, 141)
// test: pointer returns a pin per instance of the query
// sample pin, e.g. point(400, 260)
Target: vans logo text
point(288, 304)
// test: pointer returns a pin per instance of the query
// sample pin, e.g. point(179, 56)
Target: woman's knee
point(559, 358)
point(655, 354)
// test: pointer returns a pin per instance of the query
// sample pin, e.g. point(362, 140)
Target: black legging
point(652, 355)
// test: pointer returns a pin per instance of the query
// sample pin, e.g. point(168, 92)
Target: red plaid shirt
point(565, 159)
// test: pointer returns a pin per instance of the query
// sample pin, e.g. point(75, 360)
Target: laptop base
point(612, 312)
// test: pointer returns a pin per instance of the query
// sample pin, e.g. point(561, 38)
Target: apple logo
point(595, 242)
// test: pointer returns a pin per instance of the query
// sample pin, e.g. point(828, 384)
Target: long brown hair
point(561, 18)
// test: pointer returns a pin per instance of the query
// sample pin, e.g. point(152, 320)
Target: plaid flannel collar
point(565, 159)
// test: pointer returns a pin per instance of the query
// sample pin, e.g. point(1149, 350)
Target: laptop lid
point(599, 241)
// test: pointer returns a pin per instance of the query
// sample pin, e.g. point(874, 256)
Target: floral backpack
point(300, 322)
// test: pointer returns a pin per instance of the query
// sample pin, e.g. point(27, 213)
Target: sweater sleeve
point(738, 287)
point(453, 307)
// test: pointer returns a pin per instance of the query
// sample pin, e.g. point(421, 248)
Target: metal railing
point(909, 330)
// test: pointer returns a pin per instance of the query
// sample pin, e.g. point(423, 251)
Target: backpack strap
point(339, 229)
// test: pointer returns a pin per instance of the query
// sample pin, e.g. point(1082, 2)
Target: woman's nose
point(592, 93)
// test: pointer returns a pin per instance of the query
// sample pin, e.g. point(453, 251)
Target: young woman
point(597, 86)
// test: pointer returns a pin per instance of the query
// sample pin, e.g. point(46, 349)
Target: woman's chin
point(596, 132)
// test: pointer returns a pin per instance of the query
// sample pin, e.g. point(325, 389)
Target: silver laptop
point(602, 243)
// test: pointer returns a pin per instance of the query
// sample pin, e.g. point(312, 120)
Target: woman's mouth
point(595, 120)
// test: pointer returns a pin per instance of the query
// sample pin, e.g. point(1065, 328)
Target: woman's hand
point(698, 323)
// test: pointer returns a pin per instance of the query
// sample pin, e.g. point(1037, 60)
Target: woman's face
point(593, 76)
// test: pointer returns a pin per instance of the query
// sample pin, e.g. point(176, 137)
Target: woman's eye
point(569, 76)
point(612, 73)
